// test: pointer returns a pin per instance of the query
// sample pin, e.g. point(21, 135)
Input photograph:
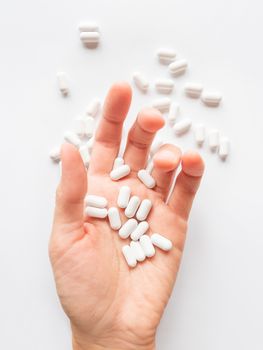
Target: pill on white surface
point(213, 139)
point(85, 155)
point(146, 178)
point(127, 228)
point(147, 246)
point(140, 81)
point(150, 166)
point(118, 162)
point(182, 126)
point(140, 230)
point(96, 212)
point(72, 138)
point(124, 197)
point(138, 251)
point(90, 37)
point(162, 104)
point(88, 27)
point(199, 132)
point(93, 108)
point(224, 148)
point(166, 56)
point(120, 172)
point(178, 67)
point(144, 210)
point(129, 256)
point(211, 99)
point(193, 90)
point(132, 206)
point(173, 112)
point(90, 126)
point(63, 83)
point(164, 86)
point(55, 154)
point(114, 218)
point(155, 147)
point(90, 143)
point(92, 200)
point(161, 242)
point(80, 126)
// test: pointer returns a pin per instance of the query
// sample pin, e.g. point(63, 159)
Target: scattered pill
point(162, 104)
point(166, 56)
point(129, 256)
point(182, 127)
point(173, 112)
point(132, 206)
point(92, 200)
point(80, 126)
point(150, 166)
point(90, 126)
point(178, 67)
point(124, 196)
point(146, 178)
point(85, 155)
point(161, 242)
point(55, 154)
point(114, 218)
point(93, 108)
point(155, 147)
point(140, 81)
point(63, 84)
point(140, 230)
point(193, 90)
point(90, 143)
point(137, 251)
point(213, 139)
point(118, 162)
point(90, 37)
point(224, 147)
point(164, 86)
point(120, 172)
point(72, 138)
point(128, 228)
point(147, 246)
point(199, 132)
point(211, 99)
point(96, 212)
point(144, 210)
point(88, 27)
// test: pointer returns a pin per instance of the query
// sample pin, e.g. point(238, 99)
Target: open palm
point(109, 304)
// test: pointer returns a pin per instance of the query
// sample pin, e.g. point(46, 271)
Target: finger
point(108, 135)
point(165, 161)
point(140, 137)
point(187, 184)
point(72, 188)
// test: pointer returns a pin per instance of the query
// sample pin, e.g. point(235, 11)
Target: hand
point(111, 306)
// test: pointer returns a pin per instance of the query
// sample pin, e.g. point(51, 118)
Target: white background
point(217, 302)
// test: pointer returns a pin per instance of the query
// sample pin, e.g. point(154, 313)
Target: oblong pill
point(224, 148)
point(140, 230)
point(150, 166)
point(178, 67)
point(199, 134)
point(96, 201)
point(128, 228)
point(147, 246)
point(173, 112)
point(140, 81)
point(118, 162)
point(72, 138)
point(164, 86)
point(120, 172)
point(193, 90)
point(213, 139)
point(132, 206)
point(114, 218)
point(88, 27)
point(90, 37)
point(146, 178)
point(182, 126)
point(90, 143)
point(63, 83)
point(166, 56)
point(124, 196)
point(93, 108)
point(144, 210)
point(155, 147)
point(55, 154)
point(80, 126)
point(161, 242)
point(162, 104)
point(129, 256)
point(85, 155)
point(96, 212)
point(137, 251)
point(211, 98)
point(90, 126)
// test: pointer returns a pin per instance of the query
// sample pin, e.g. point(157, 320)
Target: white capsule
point(124, 197)
point(140, 230)
point(164, 86)
point(224, 148)
point(128, 228)
point(93, 108)
point(80, 127)
point(90, 126)
point(120, 172)
point(213, 139)
point(150, 166)
point(90, 37)
point(137, 251)
point(92, 200)
point(147, 246)
point(114, 218)
point(140, 81)
point(72, 138)
point(132, 206)
point(129, 256)
point(118, 162)
point(155, 147)
point(85, 155)
point(161, 242)
point(173, 112)
point(63, 84)
point(166, 56)
point(55, 154)
point(88, 27)
point(211, 99)
point(178, 67)
point(96, 212)
point(182, 127)
point(162, 104)
point(90, 143)
point(144, 210)
point(199, 134)
point(193, 90)
point(146, 178)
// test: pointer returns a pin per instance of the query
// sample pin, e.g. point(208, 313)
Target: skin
point(112, 306)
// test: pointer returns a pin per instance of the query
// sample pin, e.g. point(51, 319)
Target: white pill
point(90, 143)
point(140, 81)
point(173, 112)
point(164, 86)
point(144, 210)
point(178, 67)
point(199, 134)
point(137, 251)
point(161, 242)
point(114, 218)
point(90, 37)
point(55, 154)
point(85, 155)
point(96, 212)
point(72, 138)
point(155, 147)
point(147, 246)
point(128, 228)
point(88, 27)
point(63, 83)
point(92, 200)
point(211, 99)
point(132, 206)
point(80, 126)
point(90, 126)
point(140, 230)
point(124, 196)
point(118, 162)
point(182, 127)
point(93, 108)
point(224, 148)
point(166, 56)
point(129, 256)
point(146, 178)
point(150, 166)
point(162, 104)
point(193, 90)
point(213, 139)
point(120, 172)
